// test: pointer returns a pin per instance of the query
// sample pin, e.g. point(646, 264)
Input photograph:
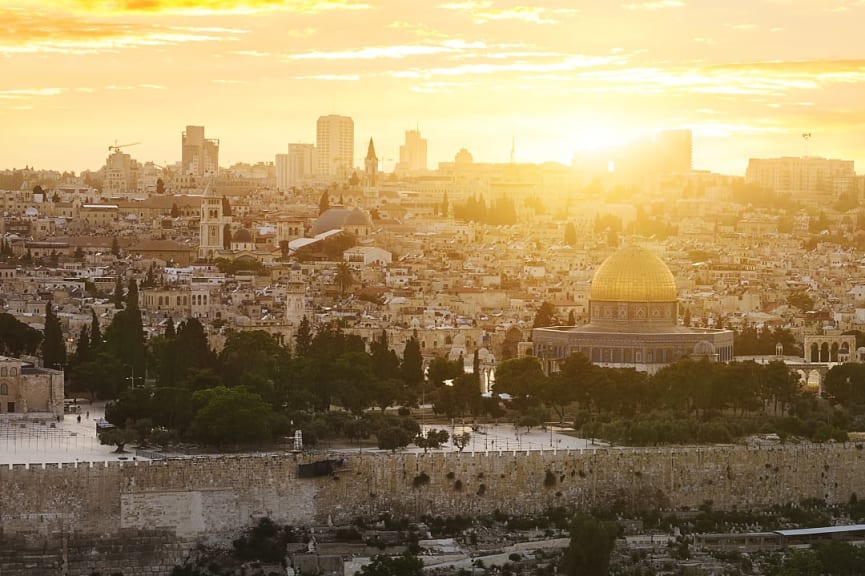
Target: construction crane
point(116, 147)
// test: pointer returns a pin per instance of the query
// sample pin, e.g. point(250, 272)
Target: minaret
point(295, 303)
point(371, 164)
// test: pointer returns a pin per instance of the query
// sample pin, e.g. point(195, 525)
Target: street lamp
point(132, 378)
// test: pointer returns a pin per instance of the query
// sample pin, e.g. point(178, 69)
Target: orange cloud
point(52, 32)
point(213, 6)
point(482, 11)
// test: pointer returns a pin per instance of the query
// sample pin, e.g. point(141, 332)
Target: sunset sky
point(748, 76)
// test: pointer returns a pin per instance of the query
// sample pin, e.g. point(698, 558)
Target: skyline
point(748, 78)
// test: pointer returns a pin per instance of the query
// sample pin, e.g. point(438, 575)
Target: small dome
point(356, 218)
point(242, 235)
point(339, 217)
point(330, 219)
point(633, 274)
point(704, 348)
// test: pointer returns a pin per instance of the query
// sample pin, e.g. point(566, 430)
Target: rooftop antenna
point(806, 136)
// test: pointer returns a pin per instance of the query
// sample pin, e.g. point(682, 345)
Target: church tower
point(371, 164)
point(212, 225)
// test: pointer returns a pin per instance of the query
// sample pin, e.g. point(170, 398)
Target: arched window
point(3, 371)
point(4, 389)
point(13, 371)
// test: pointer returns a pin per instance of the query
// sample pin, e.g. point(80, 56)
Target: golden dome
point(633, 274)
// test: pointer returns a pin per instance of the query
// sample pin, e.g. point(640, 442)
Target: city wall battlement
point(213, 498)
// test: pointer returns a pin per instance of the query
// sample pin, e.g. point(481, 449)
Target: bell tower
point(212, 226)
point(371, 164)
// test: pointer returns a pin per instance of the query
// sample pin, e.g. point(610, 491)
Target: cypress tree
point(133, 333)
point(53, 346)
point(412, 362)
point(118, 292)
point(303, 337)
point(82, 350)
point(95, 332)
point(323, 203)
point(170, 332)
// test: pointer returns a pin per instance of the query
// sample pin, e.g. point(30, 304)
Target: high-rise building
point(120, 174)
point(295, 168)
point(334, 146)
point(805, 175)
point(200, 156)
point(412, 154)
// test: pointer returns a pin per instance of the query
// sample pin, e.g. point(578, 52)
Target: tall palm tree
point(344, 278)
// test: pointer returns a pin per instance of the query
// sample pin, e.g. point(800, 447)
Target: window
point(4, 389)
point(3, 371)
point(13, 371)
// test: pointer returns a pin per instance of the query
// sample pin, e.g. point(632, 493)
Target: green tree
point(101, 376)
point(119, 437)
point(177, 355)
point(17, 338)
point(118, 292)
point(133, 346)
point(323, 203)
point(82, 348)
point(405, 565)
point(254, 359)
point(441, 369)
point(592, 542)
point(53, 346)
point(779, 384)
point(230, 416)
point(95, 331)
point(462, 440)
point(411, 368)
point(510, 344)
point(303, 337)
point(343, 278)
point(545, 316)
point(385, 362)
point(393, 437)
point(432, 439)
point(519, 377)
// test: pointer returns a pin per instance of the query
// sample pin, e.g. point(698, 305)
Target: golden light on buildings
point(633, 274)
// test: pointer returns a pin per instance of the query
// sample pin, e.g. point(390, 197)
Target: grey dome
point(339, 217)
point(242, 235)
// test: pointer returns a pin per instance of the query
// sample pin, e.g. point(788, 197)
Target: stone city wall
point(74, 515)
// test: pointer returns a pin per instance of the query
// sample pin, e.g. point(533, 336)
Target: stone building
point(24, 388)
point(633, 320)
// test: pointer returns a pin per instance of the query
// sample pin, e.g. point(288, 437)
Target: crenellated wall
point(73, 513)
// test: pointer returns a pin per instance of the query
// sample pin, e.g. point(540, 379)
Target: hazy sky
point(748, 76)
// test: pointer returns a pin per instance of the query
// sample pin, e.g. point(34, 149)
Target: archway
point(844, 352)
